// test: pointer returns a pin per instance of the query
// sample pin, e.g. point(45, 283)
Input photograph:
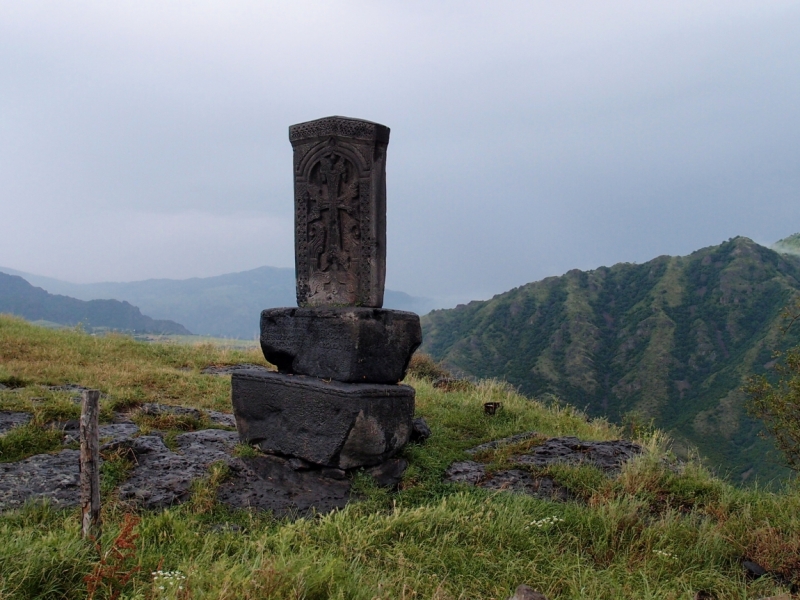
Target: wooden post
point(90, 464)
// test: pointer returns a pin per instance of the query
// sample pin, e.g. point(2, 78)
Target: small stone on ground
point(525, 592)
point(419, 430)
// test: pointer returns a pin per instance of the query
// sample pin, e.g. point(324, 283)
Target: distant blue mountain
point(18, 297)
point(224, 306)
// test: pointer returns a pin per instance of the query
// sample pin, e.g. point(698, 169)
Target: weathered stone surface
point(608, 456)
point(9, 420)
point(216, 417)
point(54, 477)
point(327, 423)
point(70, 430)
point(340, 211)
point(512, 480)
point(465, 471)
point(154, 409)
point(220, 418)
point(349, 344)
point(117, 431)
point(116, 434)
point(271, 483)
point(162, 477)
point(494, 444)
point(517, 480)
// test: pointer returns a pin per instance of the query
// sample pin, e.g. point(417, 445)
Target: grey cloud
point(528, 138)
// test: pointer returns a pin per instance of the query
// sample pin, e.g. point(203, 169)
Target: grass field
point(194, 340)
point(659, 530)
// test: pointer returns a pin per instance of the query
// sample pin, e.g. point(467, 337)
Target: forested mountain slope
point(18, 297)
point(672, 339)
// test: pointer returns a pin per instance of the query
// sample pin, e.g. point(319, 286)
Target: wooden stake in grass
point(90, 464)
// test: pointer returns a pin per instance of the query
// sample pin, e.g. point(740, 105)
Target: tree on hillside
point(778, 403)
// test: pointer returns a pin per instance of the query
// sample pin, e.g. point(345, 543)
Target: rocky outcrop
point(162, 476)
point(608, 456)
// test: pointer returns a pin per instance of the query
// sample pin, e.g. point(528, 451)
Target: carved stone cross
point(340, 211)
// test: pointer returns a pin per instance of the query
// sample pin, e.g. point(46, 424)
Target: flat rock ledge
point(163, 477)
point(9, 420)
point(607, 456)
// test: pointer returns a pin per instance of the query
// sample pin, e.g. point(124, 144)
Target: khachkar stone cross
point(340, 211)
point(335, 401)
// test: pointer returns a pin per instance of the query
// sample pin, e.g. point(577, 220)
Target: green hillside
point(672, 339)
point(788, 245)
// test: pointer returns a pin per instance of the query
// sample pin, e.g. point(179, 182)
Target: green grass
point(129, 372)
point(27, 440)
point(659, 530)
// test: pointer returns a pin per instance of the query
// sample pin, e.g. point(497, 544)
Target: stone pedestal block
point(326, 423)
point(348, 344)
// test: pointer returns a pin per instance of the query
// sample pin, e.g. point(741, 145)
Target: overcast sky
point(149, 139)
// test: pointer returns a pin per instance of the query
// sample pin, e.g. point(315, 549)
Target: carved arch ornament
point(332, 226)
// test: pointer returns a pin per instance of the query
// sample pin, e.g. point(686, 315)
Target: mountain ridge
point(19, 297)
point(672, 339)
point(227, 305)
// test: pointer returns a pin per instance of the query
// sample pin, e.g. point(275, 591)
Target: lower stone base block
point(328, 423)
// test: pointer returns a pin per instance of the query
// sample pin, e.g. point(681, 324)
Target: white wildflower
point(544, 523)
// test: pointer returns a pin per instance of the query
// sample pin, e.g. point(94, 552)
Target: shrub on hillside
point(778, 404)
point(424, 366)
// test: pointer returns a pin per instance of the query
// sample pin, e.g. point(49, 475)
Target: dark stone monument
point(340, 211)
point(335, 402)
